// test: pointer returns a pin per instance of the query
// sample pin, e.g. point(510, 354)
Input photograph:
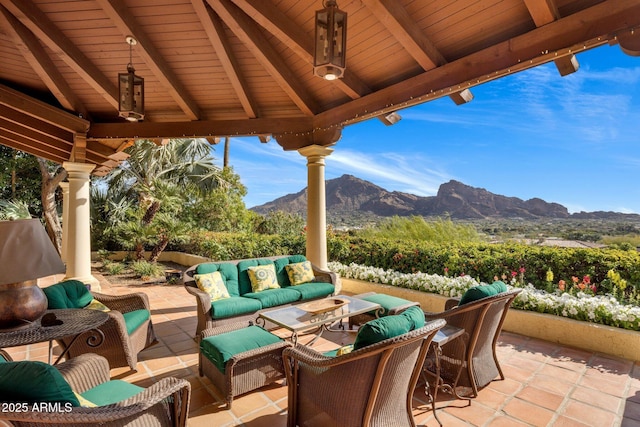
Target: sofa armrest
point(124, 303)
point(85, 371)
point(327, 276)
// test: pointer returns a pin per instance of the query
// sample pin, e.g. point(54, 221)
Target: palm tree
point(155, 176)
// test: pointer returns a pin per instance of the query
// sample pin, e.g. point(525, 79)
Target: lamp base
point(21, 304)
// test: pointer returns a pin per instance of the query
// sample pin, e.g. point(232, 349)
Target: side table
point(447, 334)
point(67, 322)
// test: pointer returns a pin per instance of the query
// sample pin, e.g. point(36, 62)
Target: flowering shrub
point(602, 309)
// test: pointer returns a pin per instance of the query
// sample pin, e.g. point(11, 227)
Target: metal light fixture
point(131, 90)
point(26, 254)
point(329, 59)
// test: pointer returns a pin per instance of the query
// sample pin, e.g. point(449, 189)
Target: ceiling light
point(131, 90)
point(329, 57)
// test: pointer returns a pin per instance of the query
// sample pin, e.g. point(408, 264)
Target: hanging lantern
point(329, 57)
point(131, 90)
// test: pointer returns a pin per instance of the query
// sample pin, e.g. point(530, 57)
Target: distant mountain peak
point(350, 196)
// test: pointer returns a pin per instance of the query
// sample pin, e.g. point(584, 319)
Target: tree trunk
point(150, 213)
point(225, 161)
point(157, 249)
point(50, 183)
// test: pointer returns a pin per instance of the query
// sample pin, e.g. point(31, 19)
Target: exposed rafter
point(247, 31)
point(38, 23)
point(126, 23)
point(406, 31)
point(36, 56)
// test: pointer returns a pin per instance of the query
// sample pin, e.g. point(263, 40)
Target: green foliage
point(280, 222)
point(145, 269)
point(14, 210)
point(113, 268)
point(625, 242)
point(417, 228)
point(20, 179)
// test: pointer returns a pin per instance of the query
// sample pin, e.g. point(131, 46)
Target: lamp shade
point(26, 253)
point(329, 59)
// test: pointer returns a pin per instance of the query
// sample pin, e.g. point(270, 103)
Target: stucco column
point(316, 204)
point(65, 220)
point(78, 224)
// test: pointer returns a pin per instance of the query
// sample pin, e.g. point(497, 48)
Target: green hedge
point(482, 261)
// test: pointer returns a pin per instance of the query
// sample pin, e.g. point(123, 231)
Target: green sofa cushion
point(244, 282)
point(314, 290)
point(32, 381)
point(113, 391)
point(220, 348)
point(482, 291)
point(387, 302)
point(234, 306)
point(228, 271)
point(134, 319)
point(67, 294)
point(415, 316)
point(274, 297)
point(281, 272)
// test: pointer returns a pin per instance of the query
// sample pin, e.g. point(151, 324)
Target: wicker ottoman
point(240, 357)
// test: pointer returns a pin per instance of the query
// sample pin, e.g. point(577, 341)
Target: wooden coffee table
point(297, 320)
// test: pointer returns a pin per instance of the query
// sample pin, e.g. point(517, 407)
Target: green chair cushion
point(68, 294)
point(136, 318)
point(113, 391)
point(244, 282)
point(281, 272)
point(32, 381)
point(415, 316)
point(381, 329)
point(482, 291)
point(220, 348)
point(228, 271)
point(314, 290)
point(387, 302)
point(233, 306)
point(274, 297)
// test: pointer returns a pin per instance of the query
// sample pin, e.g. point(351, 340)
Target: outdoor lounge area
point(546, 383)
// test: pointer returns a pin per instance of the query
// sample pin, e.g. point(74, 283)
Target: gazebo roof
point(216, 68)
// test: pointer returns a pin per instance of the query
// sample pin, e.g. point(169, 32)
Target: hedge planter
point(583, 335)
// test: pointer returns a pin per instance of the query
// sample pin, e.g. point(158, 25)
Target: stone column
point(316, 204)
point(65, 220)
point(78, 224)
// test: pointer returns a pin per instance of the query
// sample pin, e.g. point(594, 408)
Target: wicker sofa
point(244, 304)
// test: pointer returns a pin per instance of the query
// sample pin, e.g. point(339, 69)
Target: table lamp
point(26, 254)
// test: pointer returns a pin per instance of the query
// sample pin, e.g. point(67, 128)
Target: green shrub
point(113, 268)
point(147, 269)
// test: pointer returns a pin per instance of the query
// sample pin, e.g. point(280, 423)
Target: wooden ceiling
point(244, 67)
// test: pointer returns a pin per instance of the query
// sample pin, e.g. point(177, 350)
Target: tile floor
point(546, 384)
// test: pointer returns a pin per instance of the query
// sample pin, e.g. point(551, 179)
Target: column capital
point(315, 151)
point(78, 167)
point(64, 185)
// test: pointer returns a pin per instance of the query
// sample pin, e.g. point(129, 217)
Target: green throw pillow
point(482, 291)
point(32, 381)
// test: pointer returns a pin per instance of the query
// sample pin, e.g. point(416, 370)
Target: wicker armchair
point(120, 347)
point(165, 403)
point(372, 386)
point(471, 361)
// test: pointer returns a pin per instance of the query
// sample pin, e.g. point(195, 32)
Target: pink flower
point(522, 270)
point(586, 279)
point(514, 274)
point(561, 285)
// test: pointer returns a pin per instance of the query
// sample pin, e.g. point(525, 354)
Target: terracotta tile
point(563, 421)
point(542, 398)
point(551, 384)
point(589, 414)
point(597, 398)
point(616, 388)
point(632, 410)
point(505, 421)
point(527, 412)
point(476, 414)
point(562, 374)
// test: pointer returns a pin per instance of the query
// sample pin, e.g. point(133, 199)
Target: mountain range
point(349, 196)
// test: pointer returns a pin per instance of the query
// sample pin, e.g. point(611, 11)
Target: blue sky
point(573, 140)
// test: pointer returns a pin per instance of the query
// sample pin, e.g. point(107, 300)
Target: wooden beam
point(30, 148)
point(11, 131)
point(25, 121)
point(100, 149)
point(35, 55)
point(567, 65)
point(542, 11)
point(400, 24)
point(41, 110)
point(215, 32)
point(324, 137)
point(79, 151)
point(584, 30)
point(119, 13)
point(292, 35)
point(38, 23)
point(248, 32)
point(199, 129)
point(630, 42)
